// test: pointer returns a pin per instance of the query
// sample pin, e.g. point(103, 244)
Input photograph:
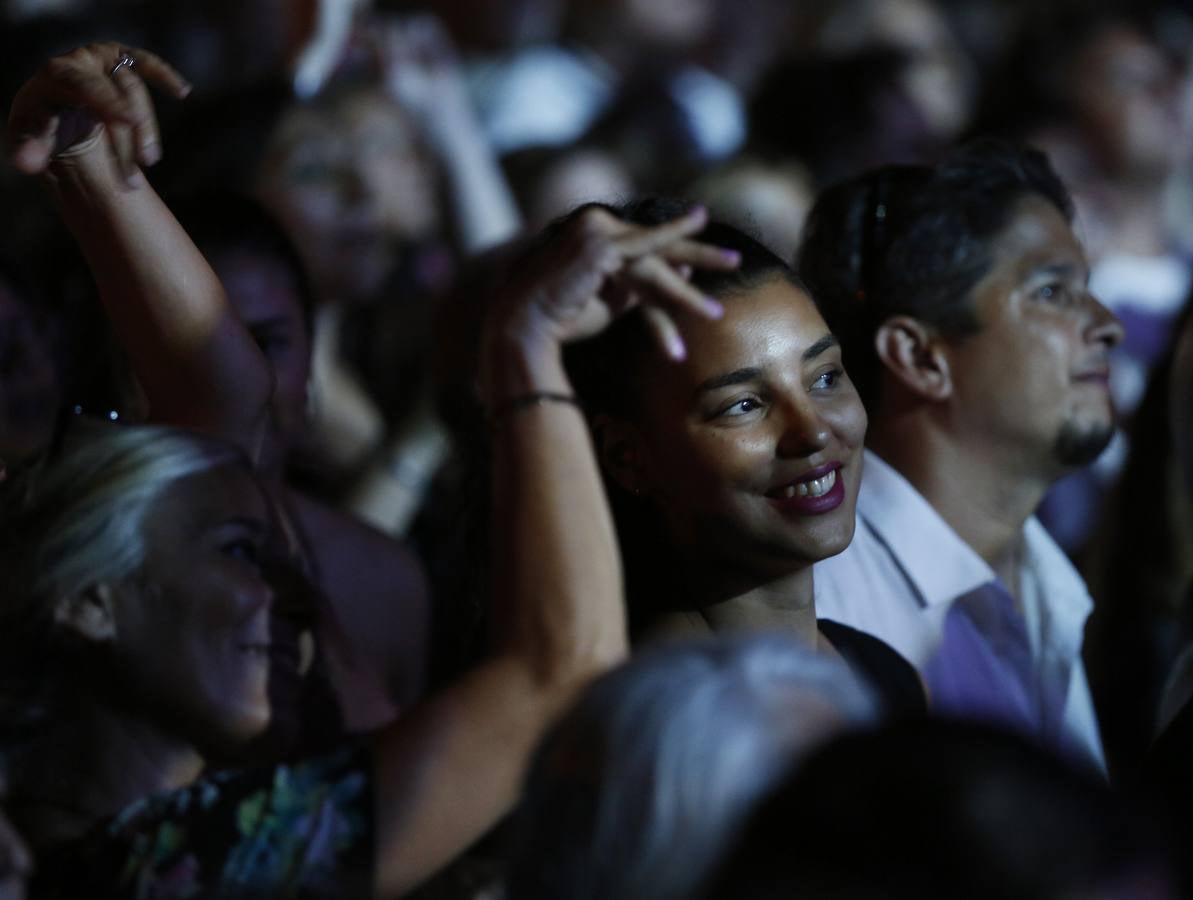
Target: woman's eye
point(273, 344)
point(827, 379)
point(741, 407)
point(243, 549)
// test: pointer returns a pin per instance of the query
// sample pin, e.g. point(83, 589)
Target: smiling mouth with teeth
point(817, 487)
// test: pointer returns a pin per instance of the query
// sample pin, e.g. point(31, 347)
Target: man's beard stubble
point(1078, 446)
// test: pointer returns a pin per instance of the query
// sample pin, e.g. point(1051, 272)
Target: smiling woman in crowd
point(734, 471)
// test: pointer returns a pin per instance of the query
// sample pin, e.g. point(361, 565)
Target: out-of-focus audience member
point(867, 83)
point(1095, 90)
point(733, 473)
point(959, 292)
point(937, 77)
point(550, 182)
point(1140, 568)
point(32, 371)
point(627, 68)
point(944, 809)
point(768, 201)
point(384, 179)
point(863, 115)
point(636, 792)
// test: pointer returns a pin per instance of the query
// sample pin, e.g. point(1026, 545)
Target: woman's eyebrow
point(829, 340)
point(737, 376)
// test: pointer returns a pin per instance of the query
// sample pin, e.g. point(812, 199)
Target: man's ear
point(914, 355)
point(619, 449)
point(89, 614)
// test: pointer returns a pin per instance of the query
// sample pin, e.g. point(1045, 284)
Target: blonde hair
point(76, 518)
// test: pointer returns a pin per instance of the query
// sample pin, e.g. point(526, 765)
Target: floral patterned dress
point(296, 831)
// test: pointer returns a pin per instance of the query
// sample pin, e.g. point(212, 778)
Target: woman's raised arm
point(454, 766)
point(85, 122)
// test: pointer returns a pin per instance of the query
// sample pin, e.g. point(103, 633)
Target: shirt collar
point(1052, 583)
point(940, 565)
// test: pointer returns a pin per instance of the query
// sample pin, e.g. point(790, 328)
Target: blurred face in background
point(30, 381)
point(938, 78)
point(1125, 95)
point(352, 184)
point(265, 294)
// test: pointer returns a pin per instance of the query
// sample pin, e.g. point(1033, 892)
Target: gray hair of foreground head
point(636, 792)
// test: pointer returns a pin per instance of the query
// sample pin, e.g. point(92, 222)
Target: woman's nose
point(804, 431)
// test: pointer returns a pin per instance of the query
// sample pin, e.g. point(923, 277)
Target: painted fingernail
point(151, 152)
point(677, 350)
point(713, 307)
point(135, 179)
point(731, 256)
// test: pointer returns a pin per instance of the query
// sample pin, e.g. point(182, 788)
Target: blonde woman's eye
point(244, 550)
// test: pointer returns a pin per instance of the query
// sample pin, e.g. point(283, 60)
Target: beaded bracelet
point(526, 401)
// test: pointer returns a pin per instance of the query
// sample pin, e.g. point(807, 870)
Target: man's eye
point(1054, 292)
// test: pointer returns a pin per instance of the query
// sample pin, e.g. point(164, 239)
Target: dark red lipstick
point(817, 491)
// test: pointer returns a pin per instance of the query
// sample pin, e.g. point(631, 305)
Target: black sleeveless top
point(893, 679)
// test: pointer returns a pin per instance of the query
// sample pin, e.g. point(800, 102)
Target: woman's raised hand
point(593, 267)
point(98, 88)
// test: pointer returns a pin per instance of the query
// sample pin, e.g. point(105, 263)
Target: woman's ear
point(619, 449)
point(89, 613)
point(914, 355)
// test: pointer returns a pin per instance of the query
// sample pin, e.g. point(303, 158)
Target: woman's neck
point(737, 600)
point(92, 766)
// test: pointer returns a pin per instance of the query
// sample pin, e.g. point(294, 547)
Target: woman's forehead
point(208, 499)
point(774, 317)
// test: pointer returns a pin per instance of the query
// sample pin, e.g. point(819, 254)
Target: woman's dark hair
point(915, 240)
point(220, 222)
point(605, 370)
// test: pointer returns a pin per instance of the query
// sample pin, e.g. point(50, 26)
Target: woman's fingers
point(146, 140)
point(30, 151)
point(159, 73)
point(700, 256)
point(637, 242)
point(90, 79)
point(665, 331)
point(668, 286)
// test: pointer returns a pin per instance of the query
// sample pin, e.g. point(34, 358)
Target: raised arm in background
point(198, 365)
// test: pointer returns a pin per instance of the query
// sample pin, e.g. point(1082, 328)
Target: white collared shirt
point(905, 567)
